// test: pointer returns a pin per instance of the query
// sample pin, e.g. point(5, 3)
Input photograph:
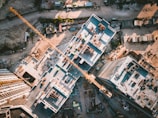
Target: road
point(104, 12)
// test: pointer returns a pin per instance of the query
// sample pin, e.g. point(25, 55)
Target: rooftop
point(58, 79)
point(39, 60)
point(151, 57)
point(11, 87)
point(91, 41)
point(84, 49)
point(133, 80)
point(15, 112)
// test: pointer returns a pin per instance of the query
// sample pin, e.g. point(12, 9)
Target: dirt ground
point(22, 5)
point(14, 36)
point(9, 60)
point(11, 37)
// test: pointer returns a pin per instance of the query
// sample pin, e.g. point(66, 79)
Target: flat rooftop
point(84, 49)
point(135, 81)
point(11, 87)
point(90, 42)
point(15, 112)
point(32, 67)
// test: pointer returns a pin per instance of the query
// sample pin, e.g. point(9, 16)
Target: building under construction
point(11, 87)
point(134, 81)
point(18, 111)
point(83, 51)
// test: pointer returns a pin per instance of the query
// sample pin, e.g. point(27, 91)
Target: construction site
point(79, 65)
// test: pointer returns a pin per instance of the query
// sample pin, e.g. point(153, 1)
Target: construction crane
point(9, 81)
point(89, 77)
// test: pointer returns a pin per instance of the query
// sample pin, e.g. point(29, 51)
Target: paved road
point(105, 12)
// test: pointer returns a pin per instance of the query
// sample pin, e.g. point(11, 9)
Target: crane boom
point(9, 81)
point(89, 77)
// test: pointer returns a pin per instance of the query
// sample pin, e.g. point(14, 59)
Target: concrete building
point(135, 38)
point(150, 58)
point(11, 87)
point(134, 81)
point(16, 112)
point(58, 79)
point(84, 49)
point(35, 64)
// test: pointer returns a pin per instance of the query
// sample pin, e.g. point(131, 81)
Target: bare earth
point(22, 5)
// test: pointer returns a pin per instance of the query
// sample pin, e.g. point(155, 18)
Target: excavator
point(89, 77)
